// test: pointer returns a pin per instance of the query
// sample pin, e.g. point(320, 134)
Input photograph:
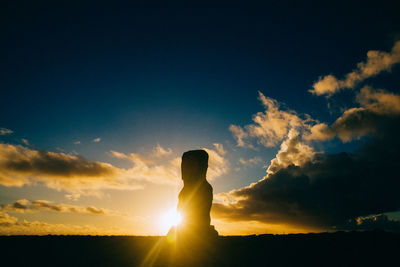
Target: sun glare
point(169, 219)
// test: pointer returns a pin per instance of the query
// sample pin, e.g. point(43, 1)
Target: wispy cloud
point(159, 151)
point(147, 169)
point(217, 163)
point(77, 142)
point(10, 225)
point(271, 126)
point(250, 161)
point(377, 61)
point(220, 148)
point(24, 205)
point(25, 141)
point(96, 140)
point(5, 131)
point(155, 170)
point(239, 135)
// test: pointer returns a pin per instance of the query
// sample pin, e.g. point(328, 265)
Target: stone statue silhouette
point(196, 197)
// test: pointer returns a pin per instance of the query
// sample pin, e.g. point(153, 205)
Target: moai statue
point(196, 196)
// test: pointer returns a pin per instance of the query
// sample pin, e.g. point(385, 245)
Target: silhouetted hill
point(324, 249)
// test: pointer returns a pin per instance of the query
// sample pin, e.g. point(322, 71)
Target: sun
point(168, 219)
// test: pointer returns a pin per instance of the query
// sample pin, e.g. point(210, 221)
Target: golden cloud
point(24, 205)
point(159, 151)
point(377, 61)
point(10, 225)
point(269, 127)
point(22, 166)
point(377, 107)
point(5, 131)
point(250, 161)
point(217, 164)
point(169, 171)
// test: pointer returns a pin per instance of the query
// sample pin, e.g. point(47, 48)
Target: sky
point(298, 107)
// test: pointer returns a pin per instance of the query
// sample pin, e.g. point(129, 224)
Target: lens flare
point(169, 219)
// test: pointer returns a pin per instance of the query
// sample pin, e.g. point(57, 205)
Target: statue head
point(194, 166)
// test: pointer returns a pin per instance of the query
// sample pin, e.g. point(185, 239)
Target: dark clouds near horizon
point(331, 191)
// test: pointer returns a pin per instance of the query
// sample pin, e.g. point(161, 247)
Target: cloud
point(217, 164)
point(77, 142)
point(10, 225)
point(22, 166)
point(96, 140)
point(159, 151)
point(78, 176)
point(251, 161)
point(292, 152)
point(316, 190)
point(378, 108)
point(269, 127)
point(324, 191)
point(380, 221)
point(147, 169)
point(25, 141)
point(239, 134)
point(321, 191)
point(327, 85)
point(377, 61)
point(220, 148)
point(5, 131)
point(74, 196)
point(150, 169)
point(24, 205)
point(379, 101)
point(7, 220)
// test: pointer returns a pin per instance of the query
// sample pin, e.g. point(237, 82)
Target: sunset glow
point(169, 219)
point(297, 108)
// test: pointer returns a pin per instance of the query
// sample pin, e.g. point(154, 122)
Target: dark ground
point(325, 249)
